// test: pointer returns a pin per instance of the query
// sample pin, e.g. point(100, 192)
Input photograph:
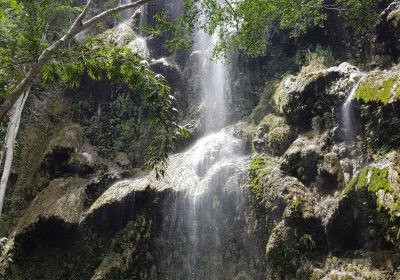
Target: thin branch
point(235, 15)
point(78, 26)
point(113, 11)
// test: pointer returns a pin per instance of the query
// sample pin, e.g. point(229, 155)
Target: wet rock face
point(311, 206)
point(315, 91)
point(301, 160)
point(69, 153)
point(388, 33)
point(273, 136)
point(330, 172)
point(193, 223)
point(378, 99)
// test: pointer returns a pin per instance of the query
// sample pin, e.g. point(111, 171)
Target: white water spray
point(347, 109)
point(213, 83)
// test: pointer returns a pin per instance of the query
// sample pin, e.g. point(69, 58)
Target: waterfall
point(347, 114)
point(127, 13)
point(213, 83)
point(205, 229)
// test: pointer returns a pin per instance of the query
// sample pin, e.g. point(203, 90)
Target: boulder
point(380, 86)
point(314, 91)
point(302, 159)
point(388, 30)
point(69, 153)
point(368, 210)
point(330, 172)
point(273, 136)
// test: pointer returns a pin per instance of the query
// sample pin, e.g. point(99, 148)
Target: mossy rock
point(302, 159)
point(273, 135)
point(380, 86)
point(330, 172)
point(63, 199)
point(316, 90)
point(382, 180)
point(376, 189)
point(279, 251)
point(70, 137)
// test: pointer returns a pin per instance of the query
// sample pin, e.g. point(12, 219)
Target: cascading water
point(127, 13)
point(213, 83)
point(205, 225)
point(347, 114)
point(204, 230)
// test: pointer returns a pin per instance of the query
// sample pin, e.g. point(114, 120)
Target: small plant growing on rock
point(308, 242)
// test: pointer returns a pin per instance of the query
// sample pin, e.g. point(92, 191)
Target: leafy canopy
point(29, 26)
point(244, 24)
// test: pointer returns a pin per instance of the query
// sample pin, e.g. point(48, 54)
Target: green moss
point(378, 88)
point(265, 105)
point(395, 208)
point(272, 121)
point(379, 180)
point(374, 179)
point(297, 202)
point(257, 163)
point(257, 169)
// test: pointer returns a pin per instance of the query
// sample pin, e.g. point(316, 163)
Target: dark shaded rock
point(315, 91)
point(347, 228)
point(388, 31)
point(330, 172)
point(167, 67)
point(302, 158)
point(273, 136)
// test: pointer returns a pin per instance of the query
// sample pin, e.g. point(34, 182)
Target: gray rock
point(330, 172)
point(302, 158)
point(388, 30)
point(314, 91)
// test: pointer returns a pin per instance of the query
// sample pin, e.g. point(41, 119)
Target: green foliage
point(245, 24)
point(320, 55)
point(361, 14)
point(308, 242)
point(120, 65)
point(27, 27)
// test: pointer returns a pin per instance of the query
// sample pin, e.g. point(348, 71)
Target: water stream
point(347, 115)
point(205, 230)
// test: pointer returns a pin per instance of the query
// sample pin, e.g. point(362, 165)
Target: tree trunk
point(11, 135)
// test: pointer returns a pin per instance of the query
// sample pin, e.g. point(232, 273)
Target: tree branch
point(235, 15)
point(78, 26)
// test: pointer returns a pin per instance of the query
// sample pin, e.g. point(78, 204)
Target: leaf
point(184, 132)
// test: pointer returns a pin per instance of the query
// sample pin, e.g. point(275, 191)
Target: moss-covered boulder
point(383, 180)
point(380, 86)
point(367, 215)
point(378, 97)
point(273, 136)
point(302, 159)
point(314, 91)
